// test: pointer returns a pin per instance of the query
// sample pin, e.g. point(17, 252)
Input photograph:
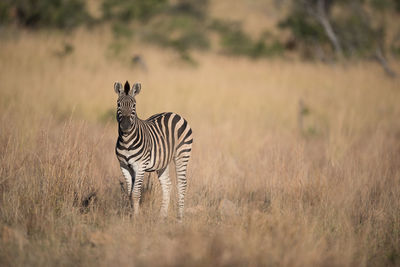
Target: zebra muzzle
point(125, 123)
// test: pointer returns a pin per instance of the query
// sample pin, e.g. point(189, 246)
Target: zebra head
point(126, 110)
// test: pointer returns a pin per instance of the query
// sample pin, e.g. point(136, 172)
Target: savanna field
point(294, 163)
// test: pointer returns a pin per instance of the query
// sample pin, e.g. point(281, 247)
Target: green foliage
point(194, 8)
point(397, 5)
point(306, 31)
point(358, 27)
point(303, 26)
point(44, 13)
point(358, 37)
point(184, 25)
point(120, 29)
point(128, 10)
point(180, 32)
point(396, 51)
point(381, 4)
point(5, 8)
point(180, 26)
point(395, 45)
point(236, 42)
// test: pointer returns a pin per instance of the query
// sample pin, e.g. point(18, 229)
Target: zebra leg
point(181, 167)
point(165, 181)
point(129, 176)
point(137, 189)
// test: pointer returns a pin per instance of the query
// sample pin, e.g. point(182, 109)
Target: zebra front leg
point(165, 181)
point(137, 190)
point(129, 176)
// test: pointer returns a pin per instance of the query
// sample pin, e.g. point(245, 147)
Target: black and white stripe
point(150, 145)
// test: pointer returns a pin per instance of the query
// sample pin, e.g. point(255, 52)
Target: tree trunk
point(381, 59)
point(323, 19)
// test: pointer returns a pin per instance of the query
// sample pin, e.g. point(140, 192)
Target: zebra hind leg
point(181, 167)
point(165, 181)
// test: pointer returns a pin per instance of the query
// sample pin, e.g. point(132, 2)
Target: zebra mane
point(127, 87)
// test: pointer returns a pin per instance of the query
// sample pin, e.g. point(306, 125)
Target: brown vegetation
point(324, 195)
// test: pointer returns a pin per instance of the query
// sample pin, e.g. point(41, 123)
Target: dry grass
point(326, 196)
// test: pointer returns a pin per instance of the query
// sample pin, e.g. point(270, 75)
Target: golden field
point(262, 191)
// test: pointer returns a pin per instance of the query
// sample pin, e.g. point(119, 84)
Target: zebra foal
point(150, 145)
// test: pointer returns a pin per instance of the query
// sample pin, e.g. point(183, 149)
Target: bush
point(180, 32)
point(397, 5)
point(358, 29)
point(303, 27)
point(5, 8)
point(44, 13)
point(194, 8)
point(236, 42)
point(180, 26)
point(128, 10)
point(358, 37)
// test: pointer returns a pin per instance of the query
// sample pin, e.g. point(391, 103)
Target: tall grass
point(326, 194)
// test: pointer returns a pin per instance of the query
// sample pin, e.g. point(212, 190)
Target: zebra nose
point(125, 123)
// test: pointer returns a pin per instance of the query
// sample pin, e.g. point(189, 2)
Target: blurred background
point(294, 107)
point(322, 30)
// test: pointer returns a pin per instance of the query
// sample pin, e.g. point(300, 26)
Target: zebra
point(150, 145)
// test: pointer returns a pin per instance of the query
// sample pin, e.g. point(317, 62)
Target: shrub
point(44, 13)
point(236, 42)
point(128, 10)
point(357, 30)
point(181, 32)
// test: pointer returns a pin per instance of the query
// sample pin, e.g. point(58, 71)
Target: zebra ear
point(117, 87)
point(136, 88)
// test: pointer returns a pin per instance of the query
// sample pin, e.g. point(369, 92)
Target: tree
point(357, 30)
